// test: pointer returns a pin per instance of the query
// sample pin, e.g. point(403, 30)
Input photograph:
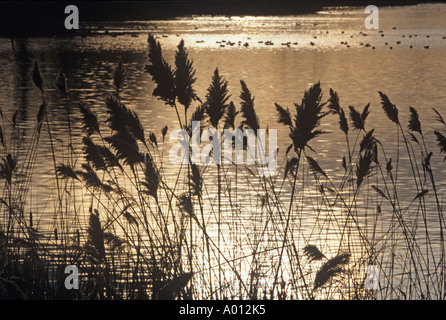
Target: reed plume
point(196, 180)
point(333, 102)
point(126, 149)
point(184, 77)
point(127, 127)
point(37, 77)
point(119, 76)
point(231, 114)
point(164, 131)
point(123, 120)
point(66, 171)
point(92, 180)
point(130, 218)
point(89, 119)
point(92, 154)
point(364, 166)
point(330, 269)
point(249, 115)
point(96, 236)
point(198, 115)
point(414, 121)
point(109, 158)
point(162, 74)
point(307, 118)
point(216, 99)
point(186, 206)
point(358, 119)
point(313, 253)
point(368, 141)
point(441, 140)
point(389, 108)
point(440, 137)
point(284, 115)
point(151, 177)
point(8, 167)
point(343, 124)
point(152, 139)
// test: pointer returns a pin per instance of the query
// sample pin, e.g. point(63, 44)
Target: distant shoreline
point(46, 18)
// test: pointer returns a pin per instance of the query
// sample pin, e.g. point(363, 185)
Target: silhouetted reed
point(216, 232)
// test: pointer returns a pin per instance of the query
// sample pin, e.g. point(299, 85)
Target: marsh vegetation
point(219, 231)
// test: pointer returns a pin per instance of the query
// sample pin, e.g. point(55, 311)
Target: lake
point(279, 57)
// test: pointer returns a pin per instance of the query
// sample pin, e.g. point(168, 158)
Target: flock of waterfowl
point(313, 42)
point(404, 40)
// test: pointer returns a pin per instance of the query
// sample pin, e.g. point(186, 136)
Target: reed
point(221, 231)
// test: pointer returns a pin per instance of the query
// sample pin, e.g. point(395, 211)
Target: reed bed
point(139, 227)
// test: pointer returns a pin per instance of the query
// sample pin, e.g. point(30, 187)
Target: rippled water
point(344, 56)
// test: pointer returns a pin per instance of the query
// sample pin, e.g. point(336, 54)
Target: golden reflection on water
point(248, 231)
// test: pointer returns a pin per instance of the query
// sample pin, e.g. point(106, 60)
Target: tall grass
point(220, 231)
